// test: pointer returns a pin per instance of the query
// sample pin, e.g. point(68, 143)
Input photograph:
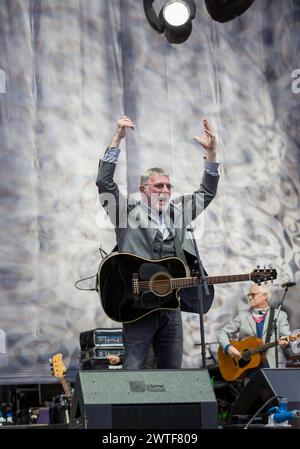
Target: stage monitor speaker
point(265, 384)
point(144, 399)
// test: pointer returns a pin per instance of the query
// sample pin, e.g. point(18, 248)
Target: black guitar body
point(115, 277)
point(115, 285)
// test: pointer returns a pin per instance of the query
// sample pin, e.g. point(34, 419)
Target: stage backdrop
point(69, 70)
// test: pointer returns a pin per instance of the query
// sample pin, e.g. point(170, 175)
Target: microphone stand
point(202, 281)
point(274, 325)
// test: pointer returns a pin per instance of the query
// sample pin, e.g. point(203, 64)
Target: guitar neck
point(66, 387)
point(267, 346)
point(193, 281)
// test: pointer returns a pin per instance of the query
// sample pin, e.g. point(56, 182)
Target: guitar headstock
point(263, 275)
point(294, 337)
point(58, 368)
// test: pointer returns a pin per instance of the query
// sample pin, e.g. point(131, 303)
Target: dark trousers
point(163, 331)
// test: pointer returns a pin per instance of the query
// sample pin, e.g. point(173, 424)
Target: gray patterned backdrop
point(69, 70)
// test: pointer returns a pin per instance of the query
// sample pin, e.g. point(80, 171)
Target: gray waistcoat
point(163, 248)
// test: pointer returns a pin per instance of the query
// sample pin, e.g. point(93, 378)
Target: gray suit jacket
point(244, 325)
point(135, 228)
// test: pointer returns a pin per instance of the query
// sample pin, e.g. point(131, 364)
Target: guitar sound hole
point(244, 361)
point(160, 284)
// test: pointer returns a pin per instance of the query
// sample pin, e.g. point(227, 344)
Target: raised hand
point(208, 141)
point(120, 132)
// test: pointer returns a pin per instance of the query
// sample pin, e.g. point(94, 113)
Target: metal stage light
point(174, 19)
point(226, 10)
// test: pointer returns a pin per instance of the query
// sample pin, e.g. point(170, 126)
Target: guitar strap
point(179, 249)
point(270, 323)
point(178, 245)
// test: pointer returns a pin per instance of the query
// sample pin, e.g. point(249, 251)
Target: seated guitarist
point(148, 231)
point(255, 322)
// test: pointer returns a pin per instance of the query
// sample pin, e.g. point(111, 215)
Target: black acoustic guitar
point(131, 286)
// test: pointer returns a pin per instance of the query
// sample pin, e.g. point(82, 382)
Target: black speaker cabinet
point(144, 399)
point(265, 384)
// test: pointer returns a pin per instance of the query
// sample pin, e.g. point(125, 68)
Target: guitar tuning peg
point(258, 267)
point(270, 266)
point(50, 361)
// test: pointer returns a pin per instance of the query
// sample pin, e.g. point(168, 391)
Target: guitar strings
point(159, 282)
point(213, 280)
point(145, 285)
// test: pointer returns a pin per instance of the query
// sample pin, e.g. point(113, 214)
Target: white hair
point(265, 288)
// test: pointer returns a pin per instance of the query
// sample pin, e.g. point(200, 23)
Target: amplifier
point(101, 337)
point(97, 365)
point(100, 353)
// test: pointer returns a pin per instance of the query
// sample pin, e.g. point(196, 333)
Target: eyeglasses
point(252, 295)
point(160, 185)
